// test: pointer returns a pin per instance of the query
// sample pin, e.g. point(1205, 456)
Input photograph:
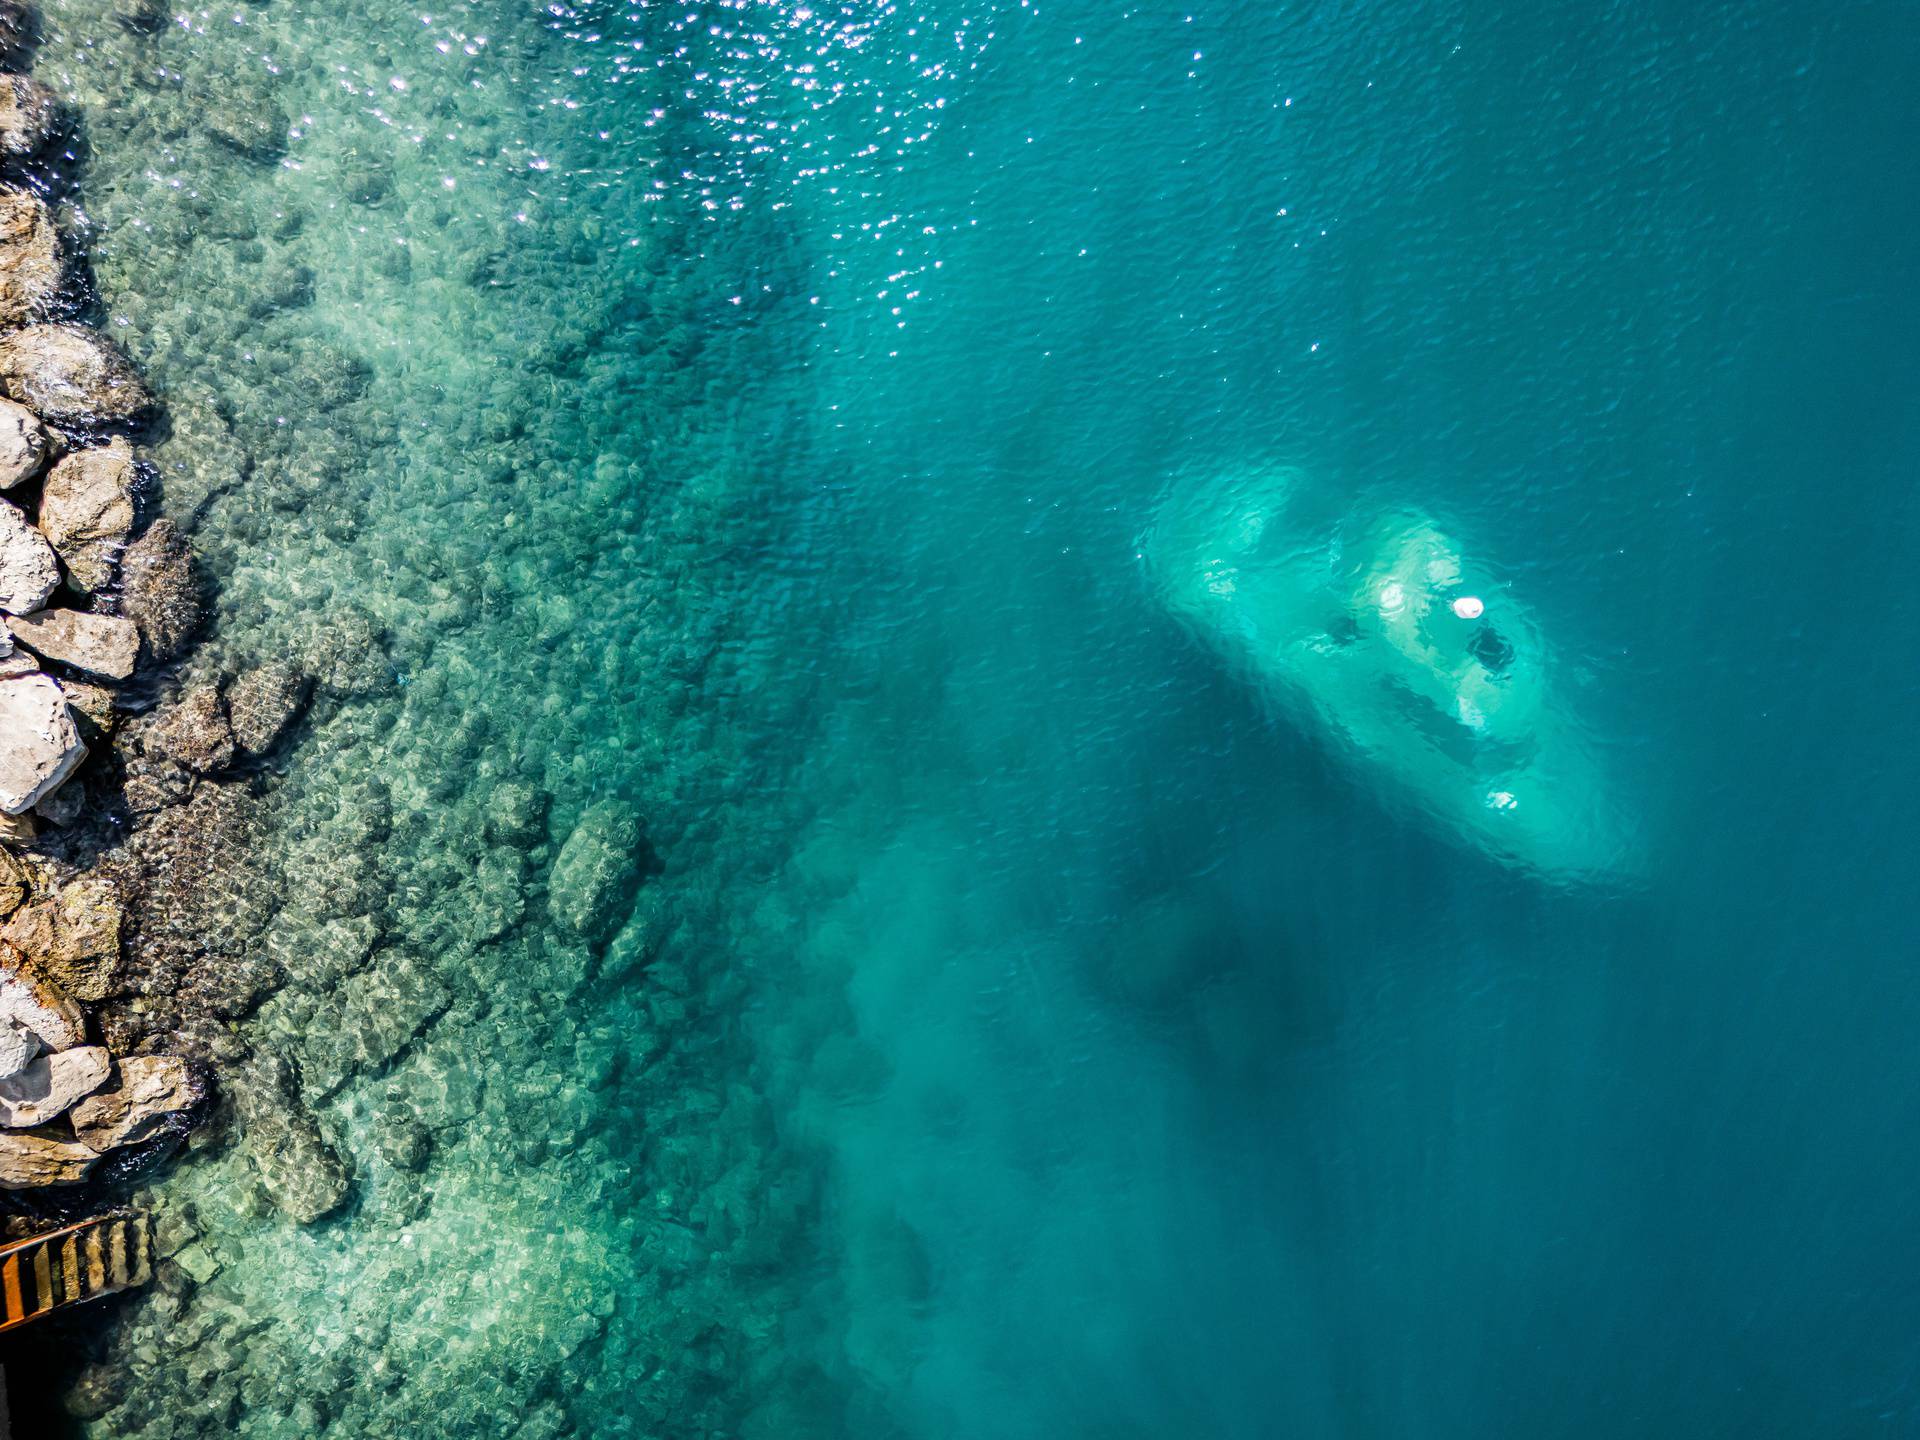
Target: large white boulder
point(28, 571)
point(39, 743)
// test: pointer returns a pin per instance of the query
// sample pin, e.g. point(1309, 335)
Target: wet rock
point(516, 815)
point(195, 732)
point(23, 444)
point(299, 1170)
point(96, 1391)
point(597, 873)
point(72, 937)
point(28, 115)
point(92, 707)
point(244, 118)
point(29, 257)
point(47, 1088)
point(159, 591)
point(345, 654)
point(19, 31)
point(64, 806)
point(262, 703)
point(28, 571)
point(402, 1141)
point(17, 1048)
point(30, 1159)
point(34, 1004)
point(86, 512)
point(103, 645)
point(147, 1098)
point(153, 783)
point(39, 743)
point(71, 376)
point(142, 17)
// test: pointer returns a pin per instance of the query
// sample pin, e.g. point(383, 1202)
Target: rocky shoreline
point(119, 783)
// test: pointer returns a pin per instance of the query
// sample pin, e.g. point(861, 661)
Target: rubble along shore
point(101, 749)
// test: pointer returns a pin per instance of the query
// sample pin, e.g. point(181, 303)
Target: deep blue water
point(1213, 1092)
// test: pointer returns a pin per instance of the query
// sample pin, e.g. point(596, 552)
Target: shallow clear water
point(1026, 1027)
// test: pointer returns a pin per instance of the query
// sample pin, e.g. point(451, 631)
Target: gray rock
point(28, 571)
point(159, 591)
point(28, 115)
point(17, 1048)
point(35, 1005)
point(597, 873)
point(39, 744)
point(29, 257)
point(19, 663)
point(29, 1159)
point(149, 1092)
point(262, 703)
point(103, 645)
point(86, 512)
point(70, 375)
point(48, 1087)
point(23, 444)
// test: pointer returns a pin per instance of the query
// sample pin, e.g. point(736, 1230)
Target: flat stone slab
point(103, 645)
point(48, 1087)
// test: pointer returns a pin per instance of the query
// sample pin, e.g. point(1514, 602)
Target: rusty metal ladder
point(70, 1266)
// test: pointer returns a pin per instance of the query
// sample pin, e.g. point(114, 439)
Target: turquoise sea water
point(755, 415)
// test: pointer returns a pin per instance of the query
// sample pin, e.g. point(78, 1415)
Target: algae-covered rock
point(47, 1088)
point(39, 744)
point(24, 444)
point(597, 872)
point(19, 30)
point(86, 511)
point(30, 1159)
point(160, 592)
point(147, 1097)
point(71, 376)
point(29, 257)
point(29, 573)
point(29, 115)
point(104, 645)
point(72, 936)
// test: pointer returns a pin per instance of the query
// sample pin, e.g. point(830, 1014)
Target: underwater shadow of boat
point(1368, 624)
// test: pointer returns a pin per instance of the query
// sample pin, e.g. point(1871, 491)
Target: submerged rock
point(71, 376)
point(159, 591)
point(48, 1087)
point(103, 645)
point(86, 512)
point(150, 1092)
point(23, 444)
point(19, 30)
point(29, 257)
point(28, 571)
point(30, 1159)
point(597, 872)
point(37, 1006)
point(302, 1173)
point(194, 733)
point(262, 703)
point(28, 115)
point(39, 743)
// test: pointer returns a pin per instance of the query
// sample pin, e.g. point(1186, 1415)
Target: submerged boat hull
point(1373, 627)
